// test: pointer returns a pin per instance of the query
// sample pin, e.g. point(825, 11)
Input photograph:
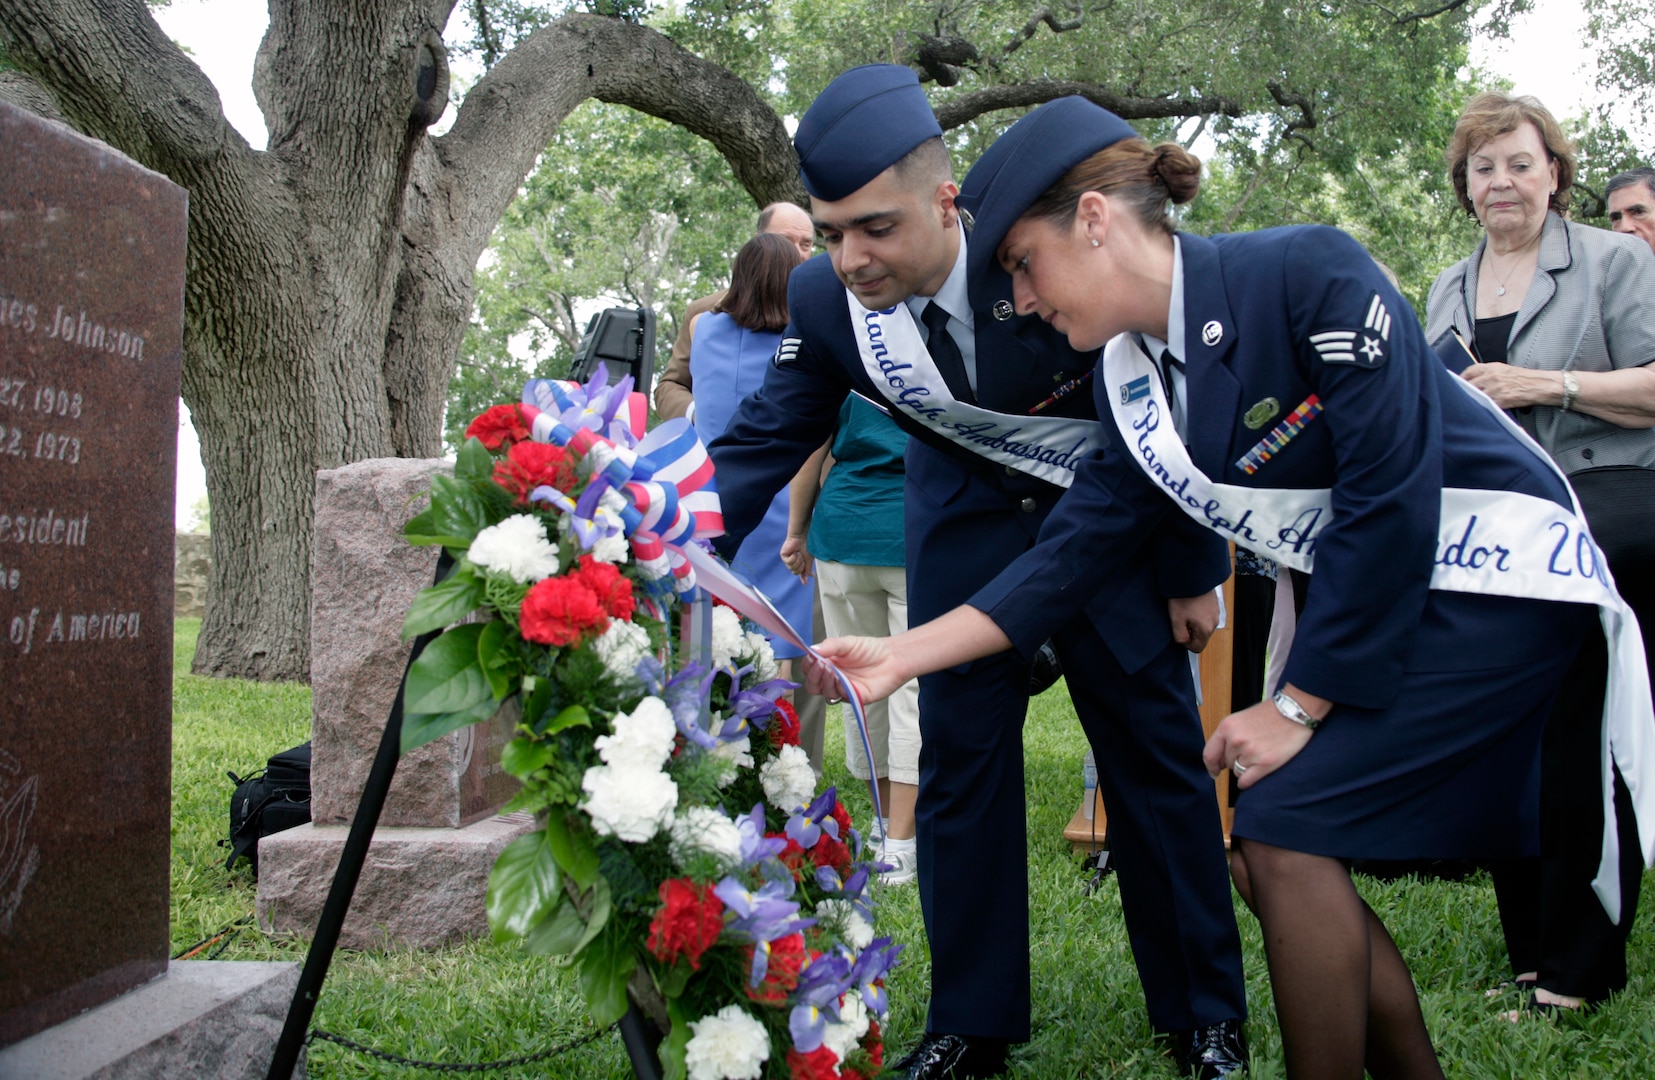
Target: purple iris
point(758, 704)
point(816, 999)
point(760, 917)
point(806, 827)
point(755, 846)
point(871, 965)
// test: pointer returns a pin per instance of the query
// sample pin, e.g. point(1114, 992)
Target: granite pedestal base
point(420, 888)
point(204, 1018)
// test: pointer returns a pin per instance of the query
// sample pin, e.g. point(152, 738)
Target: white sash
point(1499, 543)
point(895, 357)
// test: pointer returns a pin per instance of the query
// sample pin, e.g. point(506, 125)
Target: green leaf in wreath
point(446, 689)
point(474, 462)
point(523, 888)
point(559, 935)
point(573, 849)
point(524, 755)
point(445, 603)
point(498, 654)
point(605, 968)
point(573, 716)
point(675, 1046)
point(421, 728)
point(568, 931)
point(458, 512)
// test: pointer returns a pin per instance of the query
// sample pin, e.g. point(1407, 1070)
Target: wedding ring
point(1240, 769)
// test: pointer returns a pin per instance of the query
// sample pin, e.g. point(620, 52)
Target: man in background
point(1631, 198)
point(674, 392)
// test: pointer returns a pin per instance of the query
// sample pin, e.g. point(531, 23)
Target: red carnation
point(831, 852)
point(689, 921)
point(609, 585)
point(784, 725)
point(874, 1049)
point(528, 465)
point(500, 424)
point(558, 610)
point(842, 816)
point(792, 856)
point(787, 958)
point(820, 1064)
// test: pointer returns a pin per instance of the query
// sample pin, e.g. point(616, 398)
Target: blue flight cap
point(1029, 158)
point(867, 120)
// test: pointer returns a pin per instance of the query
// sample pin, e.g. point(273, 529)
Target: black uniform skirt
point(1451, 770)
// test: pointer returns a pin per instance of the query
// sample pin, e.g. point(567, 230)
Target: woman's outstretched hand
point(872, 666)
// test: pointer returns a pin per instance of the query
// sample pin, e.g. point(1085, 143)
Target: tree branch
point(1404, 18)
point(1307, 115)
point(26, 93)
point(969, 106)
point(117, 77)
point(512, 112)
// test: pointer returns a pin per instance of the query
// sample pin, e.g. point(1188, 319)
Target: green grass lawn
point(482, 1001)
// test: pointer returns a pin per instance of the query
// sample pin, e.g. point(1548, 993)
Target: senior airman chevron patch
point(786, 352)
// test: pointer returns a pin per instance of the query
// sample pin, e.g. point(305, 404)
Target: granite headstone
point(91, 320)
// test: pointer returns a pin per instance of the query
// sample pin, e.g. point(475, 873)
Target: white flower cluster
point(729, 640)
point(701, 830)
point(732, 644)
point(842, 917)
point(842, 1037)
point(737, 754)
point(789, 781)
point(517, 547)
point(728, 1045)
point(621, 647)
point(629, 796)
point(764, 657)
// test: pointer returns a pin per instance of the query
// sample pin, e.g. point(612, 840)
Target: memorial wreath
point(684, 862)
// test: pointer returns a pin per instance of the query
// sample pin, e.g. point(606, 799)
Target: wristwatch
point(1571, 390)
point(1292, 710)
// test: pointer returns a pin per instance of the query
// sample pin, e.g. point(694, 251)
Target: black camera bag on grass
point(276, 797)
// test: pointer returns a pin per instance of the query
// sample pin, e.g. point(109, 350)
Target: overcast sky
point(1544, 57)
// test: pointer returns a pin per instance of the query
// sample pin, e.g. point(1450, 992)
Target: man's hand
point(1194, 618)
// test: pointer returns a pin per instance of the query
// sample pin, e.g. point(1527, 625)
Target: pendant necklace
point(1500, 282)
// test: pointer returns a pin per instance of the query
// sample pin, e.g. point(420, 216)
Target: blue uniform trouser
point(1164, 827)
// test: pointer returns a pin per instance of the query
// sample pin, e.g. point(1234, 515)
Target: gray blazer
point(1590, 307)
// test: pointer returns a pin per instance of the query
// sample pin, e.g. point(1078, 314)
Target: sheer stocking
point(1344, 998)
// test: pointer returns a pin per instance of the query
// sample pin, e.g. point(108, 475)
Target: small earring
point(1095, 243)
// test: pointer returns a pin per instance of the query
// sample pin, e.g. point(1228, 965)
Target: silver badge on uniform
point(1002, 310)
point(1212, 333)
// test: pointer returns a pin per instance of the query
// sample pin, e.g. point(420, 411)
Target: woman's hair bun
point(1177, 169)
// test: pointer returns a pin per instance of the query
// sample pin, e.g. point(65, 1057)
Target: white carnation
point(764, 657)
point(728, 1045)
point(516, 547)
point(842, 917)
point(789, 781)
point(643, 739)
point(621, 647)
point(729, 640)
point(628, 802)
point(703, 830)
point(611, 549)
point(843, 1036)
point(738, 754)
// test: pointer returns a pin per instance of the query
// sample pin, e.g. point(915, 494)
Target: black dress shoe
point(1213, 1052)
point(953, 1057)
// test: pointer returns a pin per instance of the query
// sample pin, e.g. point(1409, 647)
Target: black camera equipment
point(619, 337)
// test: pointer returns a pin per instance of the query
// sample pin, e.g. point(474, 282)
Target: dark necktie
point(1169, 364)
point(945, 351)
